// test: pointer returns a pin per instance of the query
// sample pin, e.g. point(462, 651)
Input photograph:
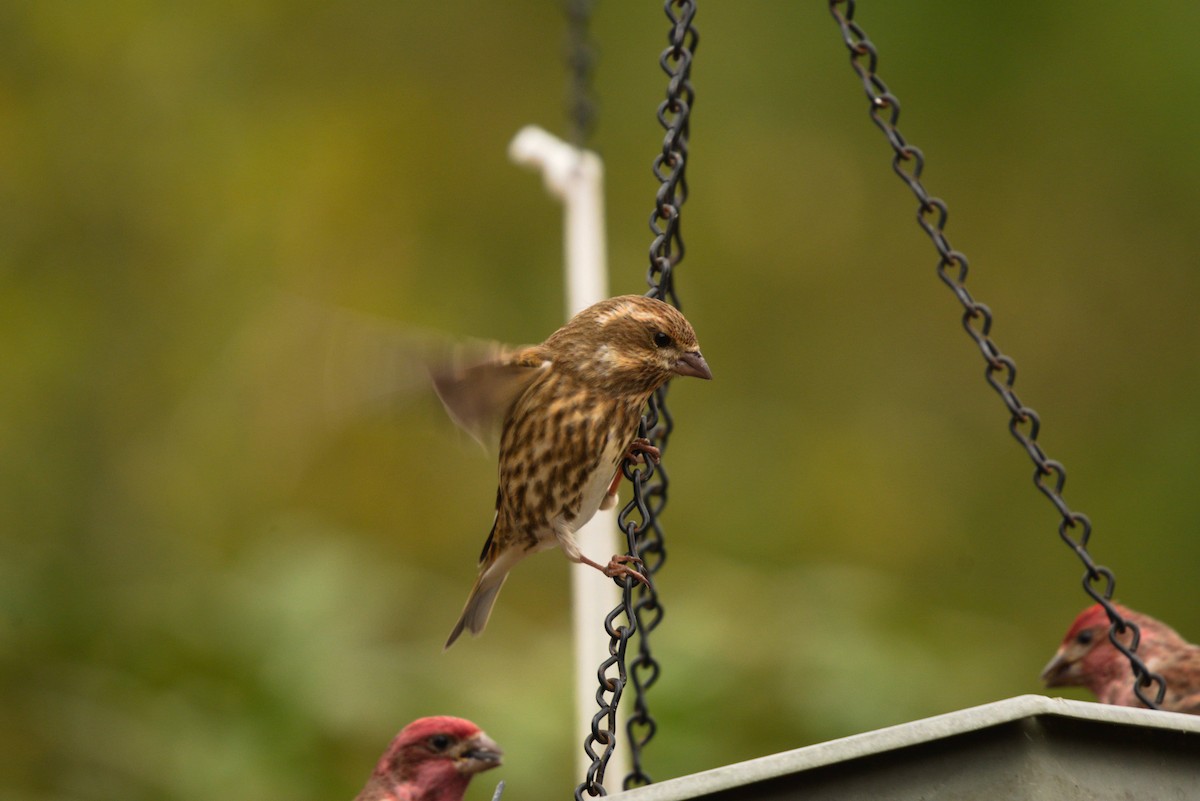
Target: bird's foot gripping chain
point(641, 446)
point(638, 452)
point(618, 567)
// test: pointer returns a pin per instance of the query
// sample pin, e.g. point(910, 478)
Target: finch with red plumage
point(1087, 658)
point(567, 412)
point(431, 759)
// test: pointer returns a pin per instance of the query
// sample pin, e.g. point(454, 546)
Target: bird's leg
point(610, 498)
point(618, 567)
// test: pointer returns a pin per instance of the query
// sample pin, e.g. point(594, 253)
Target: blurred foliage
point(211, 587)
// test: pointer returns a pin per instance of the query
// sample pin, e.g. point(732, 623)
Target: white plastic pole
point(576, 177)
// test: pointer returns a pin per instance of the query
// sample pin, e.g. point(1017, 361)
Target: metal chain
point(580, 57)
point(674, 114)
point(1049, 475)
point(639, 519)
point(608, 696)
point(666, 251)
point(645, 540)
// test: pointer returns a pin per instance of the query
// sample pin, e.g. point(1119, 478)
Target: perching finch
point(568, 411)
point(1087, 658)
point(431, 759)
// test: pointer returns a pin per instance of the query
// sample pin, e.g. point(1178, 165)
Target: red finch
point(568, 411)
point(1088, 658)
point(431, 759)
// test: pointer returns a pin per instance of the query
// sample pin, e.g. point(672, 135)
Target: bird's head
point(1088, 658)
point(632, 344)
point(1085, 653)
point(438, 756)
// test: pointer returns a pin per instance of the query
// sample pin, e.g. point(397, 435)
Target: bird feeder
point(1028, 748)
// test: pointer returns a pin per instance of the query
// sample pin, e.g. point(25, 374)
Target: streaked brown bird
point(431, 759)
point(567, 412)
point(1087, 658)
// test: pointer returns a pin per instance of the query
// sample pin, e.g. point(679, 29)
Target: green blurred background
point(212, 588)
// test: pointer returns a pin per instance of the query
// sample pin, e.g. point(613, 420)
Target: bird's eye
point(661, 340)
point(1085, 637)
point(439, 742)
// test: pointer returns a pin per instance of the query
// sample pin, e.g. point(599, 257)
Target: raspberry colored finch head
point(1086, 655)
point(1088, 658)
point(432, 759)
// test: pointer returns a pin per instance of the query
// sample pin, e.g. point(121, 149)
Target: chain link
point(666, 251)
point(580, 57)
point(644, 536)
point(1049, 475)
point(674, 114)
point(640, 609)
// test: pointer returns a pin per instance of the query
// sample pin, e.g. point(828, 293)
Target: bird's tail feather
point(479, 603)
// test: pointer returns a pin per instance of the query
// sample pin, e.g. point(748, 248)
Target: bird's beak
point(478, 754)
point(693, 364)
point(1054, 673)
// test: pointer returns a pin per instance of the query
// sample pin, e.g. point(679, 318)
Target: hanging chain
point(666, 251)
point(608, 695)
point(580, 57)
point(639, 519)
point(1049, 475)
point(645, 540)
point(674, 114)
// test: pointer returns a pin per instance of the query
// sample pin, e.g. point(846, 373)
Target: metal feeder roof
point(1028, 747)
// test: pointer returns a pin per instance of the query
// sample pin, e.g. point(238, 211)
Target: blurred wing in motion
point(373, 362)
point(479, 382)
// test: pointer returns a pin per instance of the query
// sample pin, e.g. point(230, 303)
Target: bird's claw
point(618, 567)
point(640, 450)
